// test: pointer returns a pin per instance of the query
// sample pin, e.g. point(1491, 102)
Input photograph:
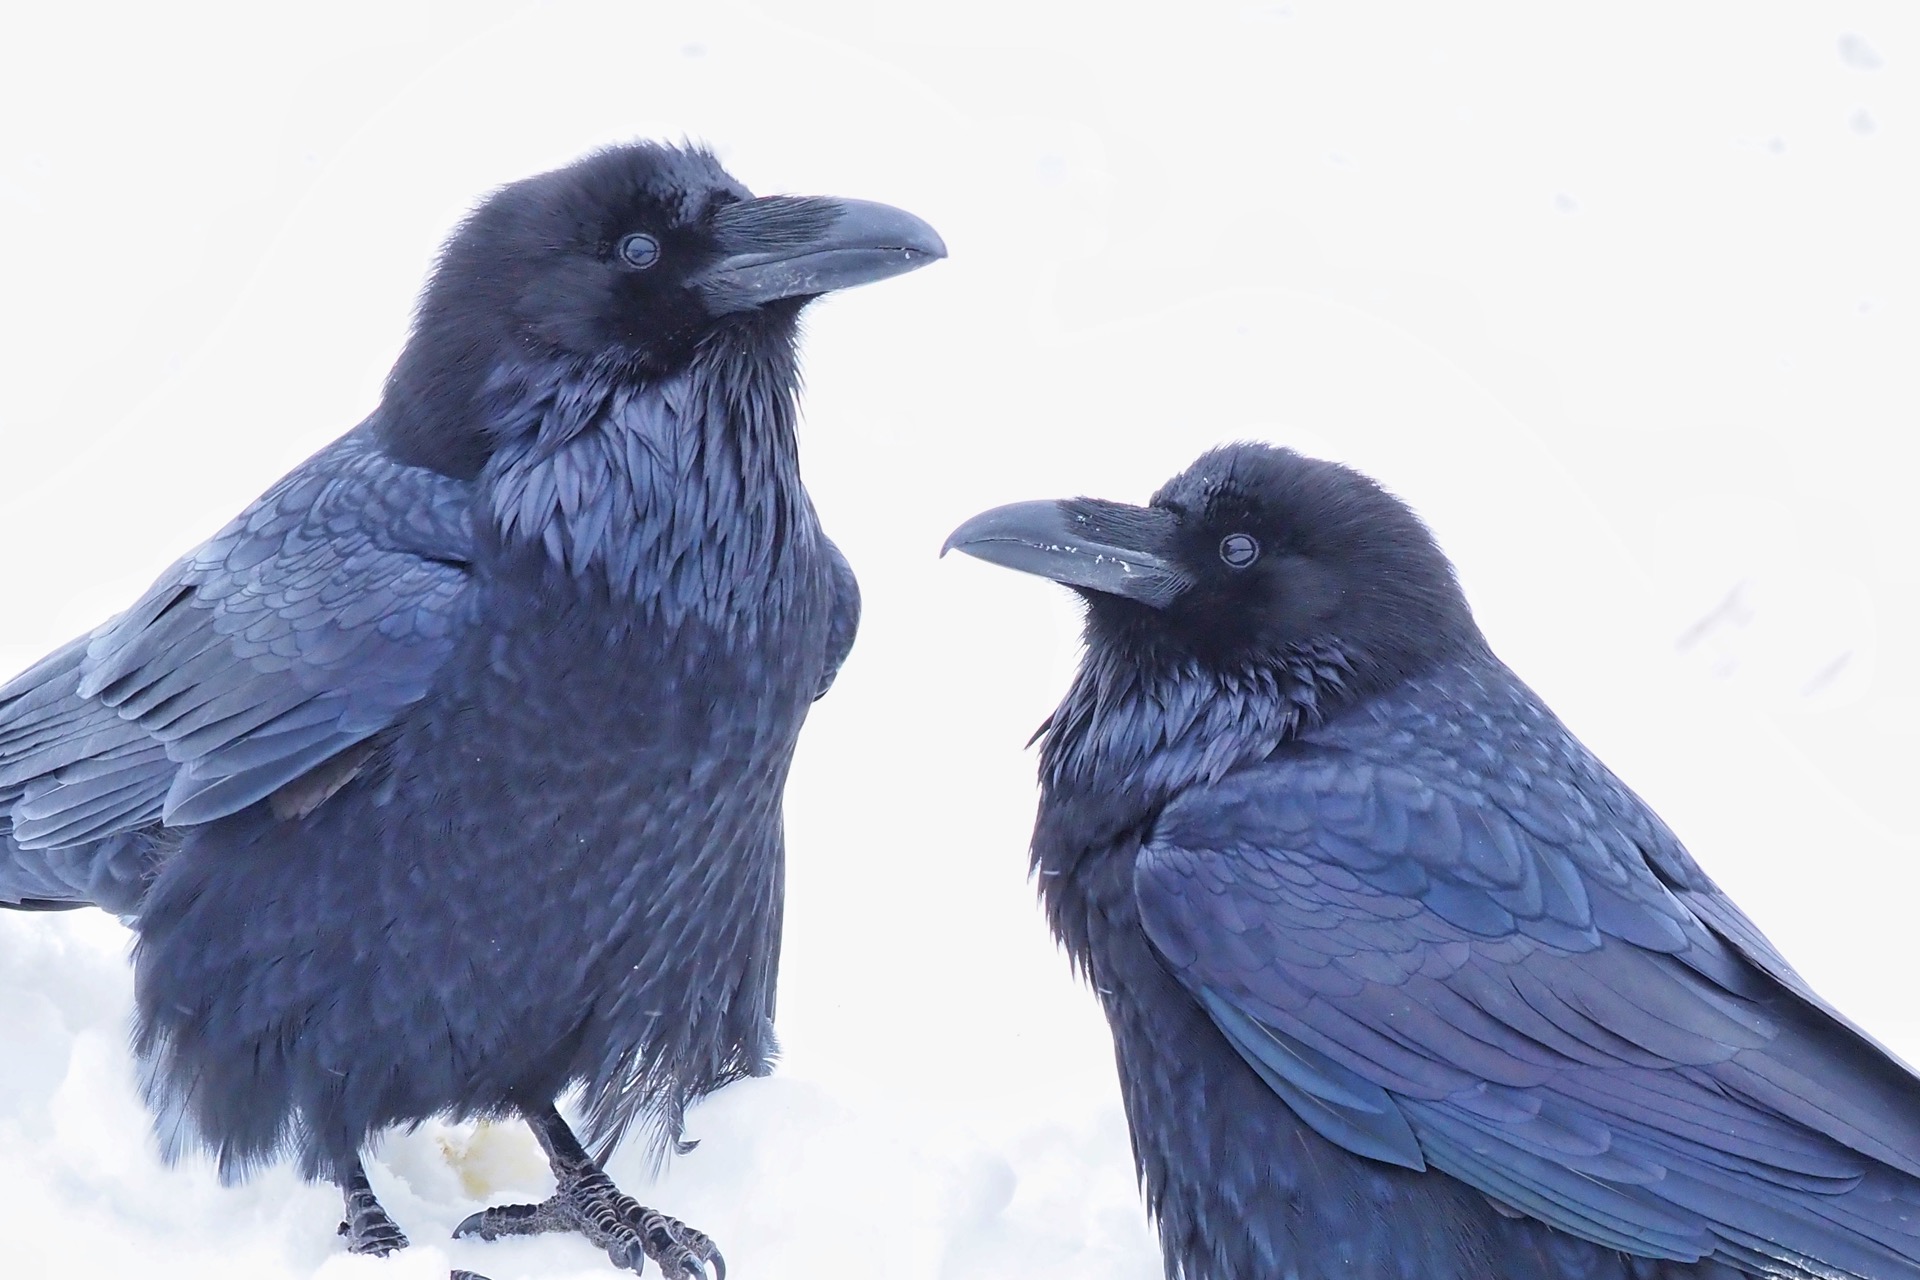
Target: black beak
point(1096, 546)
point(799, 246)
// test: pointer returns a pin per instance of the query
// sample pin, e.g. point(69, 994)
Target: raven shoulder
point(294, 634)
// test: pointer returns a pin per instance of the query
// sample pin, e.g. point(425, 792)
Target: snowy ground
point(1625, 303)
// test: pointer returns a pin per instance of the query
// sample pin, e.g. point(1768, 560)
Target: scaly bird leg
point(586, 1201)
point(367, 1227)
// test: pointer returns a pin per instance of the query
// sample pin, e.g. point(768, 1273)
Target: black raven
point(1403, 982)
point(447, 777)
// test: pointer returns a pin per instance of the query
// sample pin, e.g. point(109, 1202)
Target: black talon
point(586, 1201)
point(628, 1255)
point(512, 1220)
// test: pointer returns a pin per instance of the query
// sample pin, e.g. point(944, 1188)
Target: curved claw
point(696, 1262)
point(587, 1202)
point(510, 1220)
point(630, 1257)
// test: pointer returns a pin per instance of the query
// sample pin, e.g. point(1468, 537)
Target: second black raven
point(1402, 981)
point(447, 777)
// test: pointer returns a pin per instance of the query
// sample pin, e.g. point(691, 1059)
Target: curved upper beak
point(1107, 547)
point(799, 246)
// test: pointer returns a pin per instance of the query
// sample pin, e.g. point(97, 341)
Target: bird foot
point(589, 1203)
point(367, 1227)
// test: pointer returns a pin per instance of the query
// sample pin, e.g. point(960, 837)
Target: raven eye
point(639, 250)
point(1239, 550)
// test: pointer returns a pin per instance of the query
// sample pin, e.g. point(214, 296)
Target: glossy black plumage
point(1403, 982)
point(447, 776)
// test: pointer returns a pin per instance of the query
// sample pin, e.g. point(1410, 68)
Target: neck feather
point(681, 495)
point(1132, 735)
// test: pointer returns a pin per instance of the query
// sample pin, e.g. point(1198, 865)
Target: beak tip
point(966, 534)
point(910, 235)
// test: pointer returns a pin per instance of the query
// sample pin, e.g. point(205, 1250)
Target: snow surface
point(1624, 301)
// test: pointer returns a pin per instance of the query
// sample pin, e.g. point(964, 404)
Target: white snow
point(1624, 300)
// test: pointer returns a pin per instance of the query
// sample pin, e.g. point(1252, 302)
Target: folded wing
point(258, 666)
point(1496, 963)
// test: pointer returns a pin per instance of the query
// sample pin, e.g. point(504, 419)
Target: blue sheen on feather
point(1341, 1107)
point(446, 778)
point(1409, 891)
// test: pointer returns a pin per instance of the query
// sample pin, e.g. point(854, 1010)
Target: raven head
point(1254, 555)
point(632, 256)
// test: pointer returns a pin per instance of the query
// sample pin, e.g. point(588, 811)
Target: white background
point(1623, 300)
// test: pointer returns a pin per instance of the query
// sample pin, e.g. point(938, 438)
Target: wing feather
point(1501, 965)
point(305, 627)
